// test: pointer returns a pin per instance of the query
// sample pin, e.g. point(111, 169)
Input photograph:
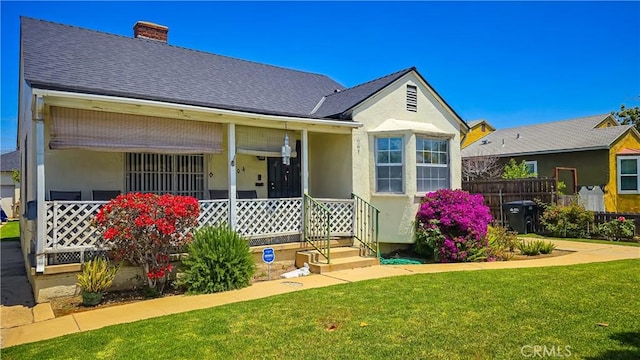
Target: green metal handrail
point(317, 226)
point(365, 220)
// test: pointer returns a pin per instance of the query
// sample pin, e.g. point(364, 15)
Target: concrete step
point(313, 256)
point(343, 264)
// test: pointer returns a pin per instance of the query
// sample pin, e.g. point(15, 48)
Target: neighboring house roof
point(63, 57)
point(10, 161)
point(561, 136)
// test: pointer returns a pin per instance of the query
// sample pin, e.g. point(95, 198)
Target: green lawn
point(593, 241)
point(10, 231)
point(489, 314)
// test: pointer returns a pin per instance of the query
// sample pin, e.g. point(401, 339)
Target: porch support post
point(232, 174)
point(305, 161)
point(41, 223)
point(305, 177)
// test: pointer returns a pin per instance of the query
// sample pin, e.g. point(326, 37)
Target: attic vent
point(412, 98)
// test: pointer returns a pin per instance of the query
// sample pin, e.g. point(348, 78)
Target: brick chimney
point(147, 30)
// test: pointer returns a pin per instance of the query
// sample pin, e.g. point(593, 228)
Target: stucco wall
point(398, 210)
point(81, 170)
point(614, 202)
point(475, 134)
point(330, 167)
point(592, 166)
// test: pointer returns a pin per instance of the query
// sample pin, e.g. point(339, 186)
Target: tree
point(628, 116)
point(481, 168)
point(15, 175)
point(513, 170)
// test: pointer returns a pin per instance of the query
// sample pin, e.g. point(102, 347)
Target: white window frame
point(532, 164)
point(400, 164)
point(152, 178)
point(619, 175)
point(446, 165)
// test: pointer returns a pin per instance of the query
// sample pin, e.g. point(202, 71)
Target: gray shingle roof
point(10, 161)
point(339, 102)
point(69, 58)
point(560, 136)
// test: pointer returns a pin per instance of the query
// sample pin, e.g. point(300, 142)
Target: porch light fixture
point(286, 149)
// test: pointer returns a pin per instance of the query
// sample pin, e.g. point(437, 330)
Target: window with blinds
point(412, 98)
point(166, 174)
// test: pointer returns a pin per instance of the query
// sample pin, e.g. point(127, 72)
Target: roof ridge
point(403, 71)
point(554, 122)
point(151, 41)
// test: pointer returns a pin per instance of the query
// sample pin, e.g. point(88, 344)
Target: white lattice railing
point(341, 215)
point(267, 217)
point(69, 225)
point(213, 212)
point(69, 228)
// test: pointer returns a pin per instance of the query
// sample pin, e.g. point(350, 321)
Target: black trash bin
point(520, 215)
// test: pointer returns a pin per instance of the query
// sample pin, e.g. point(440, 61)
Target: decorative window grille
point(166, 174)
point(432, 164)
point(412, 98)
point(389, 159)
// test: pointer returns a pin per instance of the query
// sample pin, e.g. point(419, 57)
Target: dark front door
point(284, 180)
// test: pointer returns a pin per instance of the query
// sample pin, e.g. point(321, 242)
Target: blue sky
point(512, 63)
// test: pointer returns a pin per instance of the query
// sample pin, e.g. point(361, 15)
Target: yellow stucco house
point(478, 129)
point(280, 155)
point(589, 154)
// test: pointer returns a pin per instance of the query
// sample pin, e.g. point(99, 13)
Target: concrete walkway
point(95, 319)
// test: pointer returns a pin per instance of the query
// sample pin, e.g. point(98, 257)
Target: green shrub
point(535, 247)
point(219, 260)
point(618, 229)
point(502, 243)
point(572, 221)
point(547, 247)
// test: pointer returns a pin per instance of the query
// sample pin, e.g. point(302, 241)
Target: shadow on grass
point(627, 339)
point(17, 238)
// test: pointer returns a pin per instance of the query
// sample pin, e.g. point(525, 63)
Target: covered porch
point(234, 166)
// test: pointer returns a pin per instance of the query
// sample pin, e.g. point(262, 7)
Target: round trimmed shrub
point(451, 226)
point(219, 260)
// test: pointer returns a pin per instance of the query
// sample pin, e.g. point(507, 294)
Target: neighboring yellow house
point(479, 129)
point(584, 153)
point(279, 155)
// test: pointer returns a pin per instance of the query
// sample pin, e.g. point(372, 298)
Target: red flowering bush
point(145, 228)
point(451, 225)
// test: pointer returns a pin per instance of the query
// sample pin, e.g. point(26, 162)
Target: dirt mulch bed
point(73, 304)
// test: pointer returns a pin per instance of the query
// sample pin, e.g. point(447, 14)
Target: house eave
point(528, 153)
point(188, 112)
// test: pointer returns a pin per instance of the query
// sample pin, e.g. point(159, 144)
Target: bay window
point(389, 164)
point(432, 164)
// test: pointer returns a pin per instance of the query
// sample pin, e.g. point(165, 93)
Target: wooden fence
point(498, 192)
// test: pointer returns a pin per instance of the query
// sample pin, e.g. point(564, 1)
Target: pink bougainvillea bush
point(451, 225)
point(145, 228)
